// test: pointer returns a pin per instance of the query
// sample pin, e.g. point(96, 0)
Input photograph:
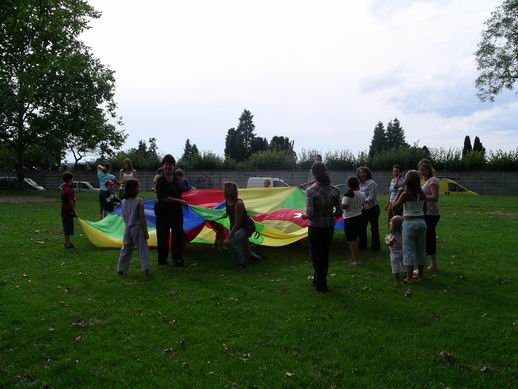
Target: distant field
point(67, 320)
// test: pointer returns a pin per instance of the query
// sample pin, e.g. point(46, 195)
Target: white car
point(81, 186)
point(259, 182)
point(10, 183)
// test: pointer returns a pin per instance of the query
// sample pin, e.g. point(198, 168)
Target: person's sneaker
point(121, 273)
point(180, 263)
point(147, 274)
point(70, 246)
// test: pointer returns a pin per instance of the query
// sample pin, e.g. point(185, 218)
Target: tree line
point(57, 99)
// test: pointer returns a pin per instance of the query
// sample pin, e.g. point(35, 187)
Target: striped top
point(432, 207)
point(370, 190)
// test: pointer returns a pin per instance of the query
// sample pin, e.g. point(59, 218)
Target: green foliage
point(68, 320)
point(446, 159)
point(206, 161)
point(306, 158)
point(258, 144)
point(271, 160)
point(340, 160)
point(477, 146)
point(143, 157)
point(379, 140)
point(503, 160)
point(51, 86)
point(408, 157)
point(395, 135)
point(282, 143)
point(467, 146)
point(497, 54)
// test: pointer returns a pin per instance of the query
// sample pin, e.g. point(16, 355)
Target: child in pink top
point(395, 242)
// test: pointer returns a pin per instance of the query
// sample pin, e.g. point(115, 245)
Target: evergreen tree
point(395, 135)
point(234, 146)
point(189, 151)
point(467, 146)
point(426, 152)
point(477, 146)
point(281, 143)
point(258, 144)
point(379, 139)
point(246, 129)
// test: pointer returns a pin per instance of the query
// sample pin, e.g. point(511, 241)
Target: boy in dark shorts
point(110, 198)
point(68, 205)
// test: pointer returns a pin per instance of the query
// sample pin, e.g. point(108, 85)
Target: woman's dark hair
point(398, 167)
point(131, 189)
point(353, 184)
point(169, 159)
point(319, 171)
point(365, 169)
point(413, 185)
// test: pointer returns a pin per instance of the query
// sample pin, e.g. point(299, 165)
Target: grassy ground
point(66, 318)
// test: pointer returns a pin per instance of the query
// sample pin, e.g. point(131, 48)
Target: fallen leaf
point(288, 374)
point(448, 357)
point(67, 289)
point(485, 369)
point(355, 371)
point(172, 322)
point(408, 293)
point(40, 242)
point(78, 339)
point(185, 365)
point(51, 329)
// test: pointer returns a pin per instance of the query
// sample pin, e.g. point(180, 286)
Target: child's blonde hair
point(397, 222)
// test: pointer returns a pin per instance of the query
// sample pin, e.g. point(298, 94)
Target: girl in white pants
point(135, 232)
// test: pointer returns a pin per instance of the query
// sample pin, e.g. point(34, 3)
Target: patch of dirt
point(11, 199)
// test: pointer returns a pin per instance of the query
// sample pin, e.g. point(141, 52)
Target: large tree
point(258, 144)
point(245, 129)
point(477, 146)
point(379, 139)
point(282, 143)
point(50, 84)
point(467, 146)
point(234, 146)
point(395, 135)
point(497, 54)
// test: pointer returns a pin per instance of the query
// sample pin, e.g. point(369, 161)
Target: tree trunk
point(19, 167)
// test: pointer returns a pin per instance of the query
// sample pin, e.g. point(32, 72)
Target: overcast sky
point(323, 73)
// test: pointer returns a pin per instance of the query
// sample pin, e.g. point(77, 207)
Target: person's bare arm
point(435, 193)
point(142, 218)
point(309, 183)
point(400, 200)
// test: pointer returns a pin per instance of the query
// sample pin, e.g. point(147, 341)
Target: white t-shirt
point(355, 205)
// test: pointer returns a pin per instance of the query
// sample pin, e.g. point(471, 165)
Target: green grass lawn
point(67, 319)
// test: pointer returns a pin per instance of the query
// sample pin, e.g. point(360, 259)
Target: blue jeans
point(414, 242)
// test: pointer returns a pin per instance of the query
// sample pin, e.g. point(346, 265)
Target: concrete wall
point(489, 183)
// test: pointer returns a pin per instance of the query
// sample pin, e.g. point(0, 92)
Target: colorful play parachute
point(277, 213)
